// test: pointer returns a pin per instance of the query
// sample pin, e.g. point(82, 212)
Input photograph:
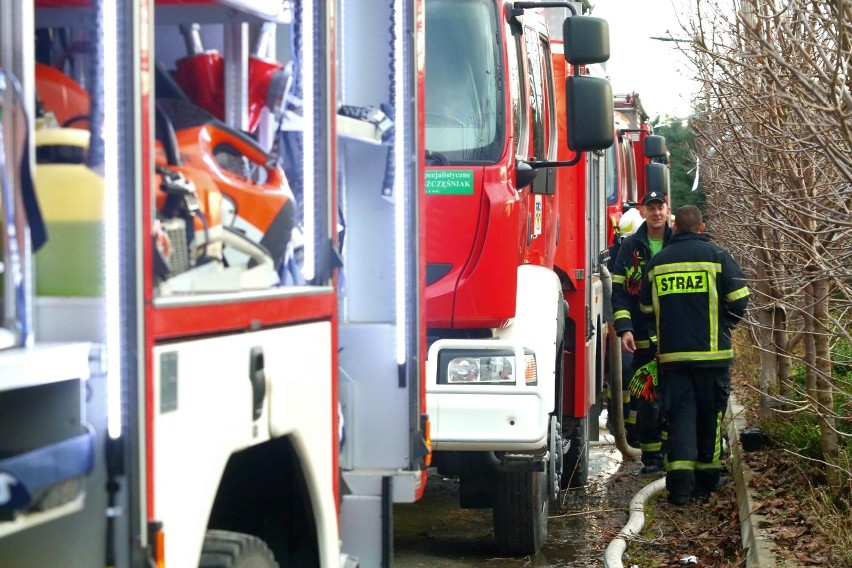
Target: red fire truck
point(215, 357)
point(636, 148)
point(510, 368)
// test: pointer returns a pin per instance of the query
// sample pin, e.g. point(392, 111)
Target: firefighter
point(627, 225)
point(697, 293)
point(633, 329)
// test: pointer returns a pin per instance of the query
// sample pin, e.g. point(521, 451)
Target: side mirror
point(524, 175)
point(657, 178)
point(586, 40)
point(589, 110)
point(654, 146)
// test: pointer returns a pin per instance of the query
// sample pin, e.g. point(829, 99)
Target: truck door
point(542, 211)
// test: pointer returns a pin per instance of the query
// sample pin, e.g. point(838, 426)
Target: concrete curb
point(761, 553)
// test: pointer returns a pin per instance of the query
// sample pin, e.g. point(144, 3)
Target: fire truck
point(513, 191)
point(212, 345)
point(637, 154)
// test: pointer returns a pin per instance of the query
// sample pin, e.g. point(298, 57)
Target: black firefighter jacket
point(628, 268)
point(697, 292)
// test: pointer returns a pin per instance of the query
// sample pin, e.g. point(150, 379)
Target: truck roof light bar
point(519, 7)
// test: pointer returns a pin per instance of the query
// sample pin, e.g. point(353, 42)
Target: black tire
point(226, 549)
point(575, 470)
point(520, 511)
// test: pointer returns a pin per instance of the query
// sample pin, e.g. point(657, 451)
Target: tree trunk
point(782, 339)
point(823, 392)
point(767, 293)
point(808, 343)
point(768, 378)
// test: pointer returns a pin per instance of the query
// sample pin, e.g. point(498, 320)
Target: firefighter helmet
point(629, 222)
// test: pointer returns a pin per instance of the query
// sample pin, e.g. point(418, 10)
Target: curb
point(761, 553)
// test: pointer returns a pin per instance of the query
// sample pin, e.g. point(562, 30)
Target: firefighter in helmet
point(636, 335)
point(627, 225)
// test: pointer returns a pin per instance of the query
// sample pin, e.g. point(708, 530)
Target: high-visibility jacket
point(628, 268)
point(697, 293)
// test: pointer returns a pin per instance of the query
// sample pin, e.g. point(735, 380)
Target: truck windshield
point(463, 109)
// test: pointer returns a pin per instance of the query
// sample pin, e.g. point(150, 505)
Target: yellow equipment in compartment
point(71, 197)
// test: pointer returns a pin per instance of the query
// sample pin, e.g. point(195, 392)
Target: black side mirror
point(586, 40)
point(654, 146)
point(524, 175)
point(590, 116)
point(657, 178)
point(588, 99)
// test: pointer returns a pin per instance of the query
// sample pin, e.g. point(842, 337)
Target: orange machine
point(207, 174)
point(257, 200)
point(62, 96)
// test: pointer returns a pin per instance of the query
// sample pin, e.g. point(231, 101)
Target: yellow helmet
point(629, 222)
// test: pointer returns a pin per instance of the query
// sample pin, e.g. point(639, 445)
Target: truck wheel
point(520, 511)
point(575, 471)
point(226, 549)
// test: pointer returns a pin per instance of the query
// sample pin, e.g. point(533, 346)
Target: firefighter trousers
point(693, 403)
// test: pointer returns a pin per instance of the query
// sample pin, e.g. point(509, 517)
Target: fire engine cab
point(636, 162)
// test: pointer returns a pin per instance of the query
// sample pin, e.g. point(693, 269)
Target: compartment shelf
point(46, 448)
point(43, 363)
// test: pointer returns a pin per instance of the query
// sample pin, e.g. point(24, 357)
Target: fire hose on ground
point(616, 408)
point(635, 522)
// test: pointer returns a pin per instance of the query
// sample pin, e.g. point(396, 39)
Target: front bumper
point(485, 417)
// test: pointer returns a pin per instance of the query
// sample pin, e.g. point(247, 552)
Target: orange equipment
point(61, 95)
point(254, 187)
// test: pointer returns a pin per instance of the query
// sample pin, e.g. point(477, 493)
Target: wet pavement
point(435, 532)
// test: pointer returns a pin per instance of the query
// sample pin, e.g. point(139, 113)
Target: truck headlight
point(488, 369)
point(484, 366)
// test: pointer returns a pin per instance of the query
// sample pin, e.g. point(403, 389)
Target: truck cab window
point(519, 95)
point(537, 85)
point(463, 110)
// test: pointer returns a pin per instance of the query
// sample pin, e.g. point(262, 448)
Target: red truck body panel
point(477, 236)
point(631, 130)
point(571, 252)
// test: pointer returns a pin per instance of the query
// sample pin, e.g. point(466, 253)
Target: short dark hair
point(688, 219)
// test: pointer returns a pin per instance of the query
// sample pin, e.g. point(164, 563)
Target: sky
point(654, 69)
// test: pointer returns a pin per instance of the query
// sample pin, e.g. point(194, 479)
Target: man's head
point(688, 219)
point(655, 210)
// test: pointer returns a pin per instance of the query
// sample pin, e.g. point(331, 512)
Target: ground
point(784, 488)
point(702, 533)
point(707, 533)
